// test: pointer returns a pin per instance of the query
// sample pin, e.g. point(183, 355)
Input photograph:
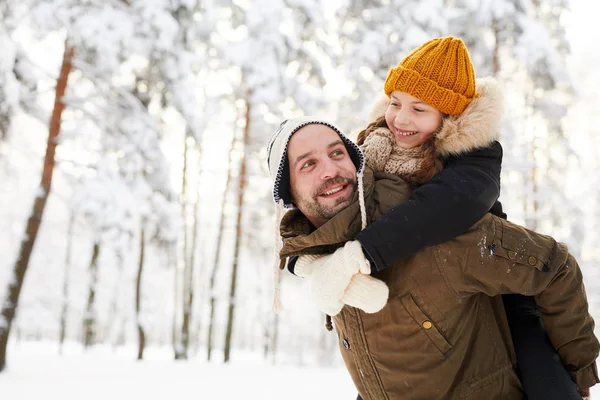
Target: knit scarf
point(415, 165)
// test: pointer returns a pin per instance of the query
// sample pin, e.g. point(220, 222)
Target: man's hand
point(342, 278)
point(329, 276)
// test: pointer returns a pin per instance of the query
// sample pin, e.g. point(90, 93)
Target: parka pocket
point(426, 324)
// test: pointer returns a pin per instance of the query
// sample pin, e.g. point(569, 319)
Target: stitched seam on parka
point(368, 356)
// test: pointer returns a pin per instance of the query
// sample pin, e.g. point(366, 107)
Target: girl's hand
point(366, 293)
point(585, 394)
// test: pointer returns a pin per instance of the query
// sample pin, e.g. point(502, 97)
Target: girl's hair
point(378, 123)
point(431, 164)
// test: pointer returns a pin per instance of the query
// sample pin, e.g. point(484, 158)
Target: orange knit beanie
point(439, 72)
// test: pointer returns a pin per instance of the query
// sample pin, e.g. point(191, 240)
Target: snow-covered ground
point(37, 372)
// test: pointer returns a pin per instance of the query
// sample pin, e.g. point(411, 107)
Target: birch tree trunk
point(138, 298)
point(65, 288)
point(11, 302)
point(213, 274)
point(531, 221)
point(275, 337)
point(238, 236)
point(174, 332)
point(192, 276)
point(189, 259)
point(112, 324)
point(181, 347)
point(89, 319)
point(531, 177)
point(496, 66)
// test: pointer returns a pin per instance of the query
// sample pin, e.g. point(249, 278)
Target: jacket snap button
point(427, 325)
point(532, 260)
point(346, 344)
point(512, 255)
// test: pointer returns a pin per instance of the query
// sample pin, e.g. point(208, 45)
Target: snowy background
point(159, 219)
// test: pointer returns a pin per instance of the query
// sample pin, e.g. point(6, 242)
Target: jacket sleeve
point(499, 257)
point(439, 210)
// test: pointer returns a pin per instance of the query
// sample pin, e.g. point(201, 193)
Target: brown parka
point(443, 333)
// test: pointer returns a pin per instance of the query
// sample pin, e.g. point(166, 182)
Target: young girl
point(437, 129)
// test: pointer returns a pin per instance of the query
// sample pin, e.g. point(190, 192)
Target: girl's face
point(411, 120)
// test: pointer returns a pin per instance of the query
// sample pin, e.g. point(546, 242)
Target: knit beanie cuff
point(425, 89)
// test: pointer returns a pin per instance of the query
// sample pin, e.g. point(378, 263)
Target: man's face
point(322, 175)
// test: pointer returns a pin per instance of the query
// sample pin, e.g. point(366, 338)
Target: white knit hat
point(277, 162)
point(277, 155)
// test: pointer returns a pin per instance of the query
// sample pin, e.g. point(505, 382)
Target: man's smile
point(335, 191)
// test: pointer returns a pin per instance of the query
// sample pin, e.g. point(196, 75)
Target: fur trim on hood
point(477, 126)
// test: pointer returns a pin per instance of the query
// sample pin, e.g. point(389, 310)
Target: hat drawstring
point(279, 264)
point(361, 200)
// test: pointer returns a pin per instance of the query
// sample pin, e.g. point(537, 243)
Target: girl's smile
point(411, 120)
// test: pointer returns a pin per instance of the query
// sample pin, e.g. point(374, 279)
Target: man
point(441, 334)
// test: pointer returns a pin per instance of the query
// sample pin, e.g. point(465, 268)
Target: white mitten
point(329, 276)
point(304, 269)
point(367, 293)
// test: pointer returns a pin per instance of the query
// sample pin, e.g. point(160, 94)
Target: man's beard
point(314, 205)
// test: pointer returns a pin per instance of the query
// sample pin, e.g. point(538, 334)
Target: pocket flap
point(426, 324)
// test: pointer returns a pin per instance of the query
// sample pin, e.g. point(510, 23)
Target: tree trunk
point(89, 320)
point(213, 274)
point(11, 302)
point(496, 53)
point(138, 296)
point(191, 277)
point(272, 335)
point(65, 288)
point(531, 222)
point(112, 325)
point(181, 348)
point(238, 237)
point(188, 253)
point(275, 337)
point(173, 261)
point(531, 178)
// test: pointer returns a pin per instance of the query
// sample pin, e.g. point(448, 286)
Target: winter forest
point(136, 217)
